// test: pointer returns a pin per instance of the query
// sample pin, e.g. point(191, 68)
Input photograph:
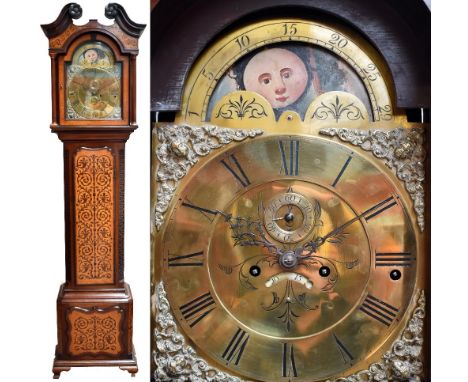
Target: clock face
point(287, 256)
point(277, 273)
point(93, 84)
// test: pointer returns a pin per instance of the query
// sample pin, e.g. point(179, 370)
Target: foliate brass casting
point(177, 361)
point(403, 362)
point(401, 149)
point(179, 148)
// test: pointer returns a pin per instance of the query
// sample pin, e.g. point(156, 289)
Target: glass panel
point(93, 84)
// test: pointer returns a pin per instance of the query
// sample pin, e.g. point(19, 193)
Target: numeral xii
point(289, 157)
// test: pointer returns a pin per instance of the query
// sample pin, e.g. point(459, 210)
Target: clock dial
point(280, 274)
point(93, 84)
point(289, 256)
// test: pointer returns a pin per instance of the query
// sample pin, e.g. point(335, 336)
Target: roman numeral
point(345, 354)
point(379, 310)
point(204, 211)
point(394, 259)
point(289, 363)
point(379, 208)
point(238, 173)
point(196, 310)
point(291, 168)
point(191, 260)
point(343, 169)
point(236, 347)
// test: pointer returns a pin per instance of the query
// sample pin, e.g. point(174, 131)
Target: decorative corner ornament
point(403, 151)
point(174, 360)
point(403, 362)
point(179, 148)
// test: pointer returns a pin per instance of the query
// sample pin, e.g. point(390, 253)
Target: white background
point(32, 233)
point(31, 196)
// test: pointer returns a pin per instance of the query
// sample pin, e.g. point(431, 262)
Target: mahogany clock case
point(205, 105)
point(93, 75)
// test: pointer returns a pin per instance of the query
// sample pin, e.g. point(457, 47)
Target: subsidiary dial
point(290, 217)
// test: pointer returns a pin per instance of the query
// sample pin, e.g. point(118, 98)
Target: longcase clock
point(289, 196)
point(93, 114)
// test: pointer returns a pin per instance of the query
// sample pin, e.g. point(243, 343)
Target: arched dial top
point(281, 259)
point(219, 59)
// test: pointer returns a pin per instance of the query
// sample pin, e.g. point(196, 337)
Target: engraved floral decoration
point(244, 107)
point(337, 111)
point(403, 362)
point(179, 149)
point(249, 232)
point(403, 152)
point(287, 303)
point(174, 360)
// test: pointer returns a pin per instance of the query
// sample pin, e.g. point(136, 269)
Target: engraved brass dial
point(287, 257)
point(94, 93)
point(93, 84)
point(236, 300)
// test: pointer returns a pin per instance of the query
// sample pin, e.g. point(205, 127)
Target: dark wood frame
point(94, 299)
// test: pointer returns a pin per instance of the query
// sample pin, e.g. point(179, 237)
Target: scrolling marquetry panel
point(94, 213)
point(94, 331)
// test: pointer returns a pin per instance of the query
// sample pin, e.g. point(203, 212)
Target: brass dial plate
point(93, 84)
point(260, 320)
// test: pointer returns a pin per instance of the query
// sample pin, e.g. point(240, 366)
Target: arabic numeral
point(385, 112)
point(243, 41)
point(371, 72)
point(289, 29)
point(208, 74)
point(338, 40)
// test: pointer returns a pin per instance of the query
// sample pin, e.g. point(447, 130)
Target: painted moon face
point(277, 74)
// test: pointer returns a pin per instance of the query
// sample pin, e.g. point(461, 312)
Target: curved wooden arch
point(181, 30)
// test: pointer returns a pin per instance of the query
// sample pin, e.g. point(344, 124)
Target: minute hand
point(368, 214)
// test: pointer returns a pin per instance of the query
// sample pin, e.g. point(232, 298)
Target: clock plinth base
point(129, 365)
point(95, 329)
